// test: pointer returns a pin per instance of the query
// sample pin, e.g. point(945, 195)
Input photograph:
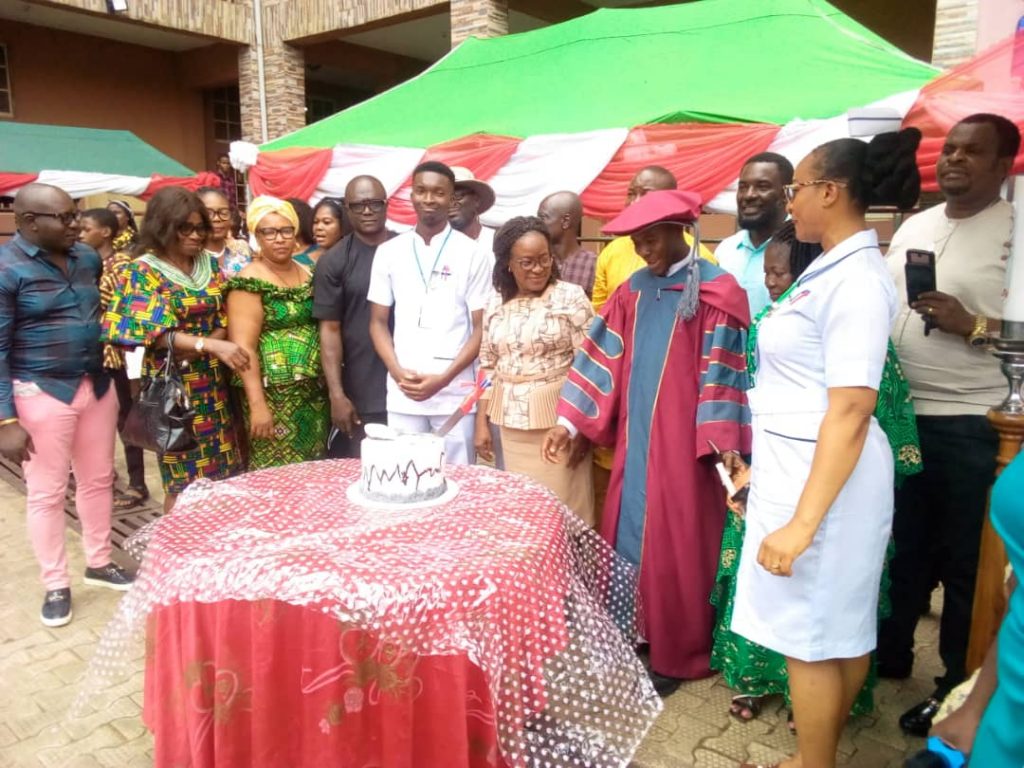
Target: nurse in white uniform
point(821, 500)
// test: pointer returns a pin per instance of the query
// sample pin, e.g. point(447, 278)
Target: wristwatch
point(979, 334)
point(200, 344)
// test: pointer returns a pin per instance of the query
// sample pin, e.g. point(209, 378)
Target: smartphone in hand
point(920, 273)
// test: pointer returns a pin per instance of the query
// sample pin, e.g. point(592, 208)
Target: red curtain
point(481, 153)
point(201, 179)
point(289, 172)
point(990, 82)
point(705, 158)
point(11, 181)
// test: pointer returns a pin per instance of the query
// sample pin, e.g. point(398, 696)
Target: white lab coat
point(832, 331)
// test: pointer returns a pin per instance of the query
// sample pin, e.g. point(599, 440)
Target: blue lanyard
point(416, 253)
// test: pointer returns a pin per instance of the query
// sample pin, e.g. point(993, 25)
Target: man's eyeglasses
point(529, 264)
point(791, 189)
point(223, 214)
point(67, 218)
point(361, 206)
point(188, 228)
point(459, 196)
point(272, 233)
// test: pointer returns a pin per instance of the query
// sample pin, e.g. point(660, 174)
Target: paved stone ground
point(39, 669)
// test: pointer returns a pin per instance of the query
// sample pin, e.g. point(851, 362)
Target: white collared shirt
point(433, 288)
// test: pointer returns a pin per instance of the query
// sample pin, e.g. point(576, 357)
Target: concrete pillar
point(478, 18)
point(284, 73)
point(956, 32)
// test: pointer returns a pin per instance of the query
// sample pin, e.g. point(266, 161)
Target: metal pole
point(261, 81)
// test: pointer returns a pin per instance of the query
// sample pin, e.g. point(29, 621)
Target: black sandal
point(129, 498)
point(745, 708)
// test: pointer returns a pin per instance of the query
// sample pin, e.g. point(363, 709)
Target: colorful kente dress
point(289, 358)
point(748, 667)
point(154, 297)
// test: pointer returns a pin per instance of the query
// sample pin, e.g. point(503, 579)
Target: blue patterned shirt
point(49, 322)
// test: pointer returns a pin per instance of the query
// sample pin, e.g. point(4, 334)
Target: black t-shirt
point(340, 284)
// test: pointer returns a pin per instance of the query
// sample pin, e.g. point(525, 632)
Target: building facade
point(191, 77)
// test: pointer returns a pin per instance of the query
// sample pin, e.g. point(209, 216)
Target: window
point(317, 108)
point(6, 102)
point(227, 115)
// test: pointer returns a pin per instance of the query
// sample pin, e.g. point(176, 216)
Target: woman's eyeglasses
point(361, 206)
point(272, 233)
point(530, 264)
point(223, 214)
point(188, 228)
point(790, 190)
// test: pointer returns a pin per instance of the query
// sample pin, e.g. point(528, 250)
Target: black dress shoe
point(917, 721)
point(664, 685)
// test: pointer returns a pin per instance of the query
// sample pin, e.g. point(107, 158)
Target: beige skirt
point(574, 487)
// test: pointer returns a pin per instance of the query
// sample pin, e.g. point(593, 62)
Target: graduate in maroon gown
point(662, 373)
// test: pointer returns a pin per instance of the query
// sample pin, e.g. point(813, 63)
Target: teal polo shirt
point(738, 256)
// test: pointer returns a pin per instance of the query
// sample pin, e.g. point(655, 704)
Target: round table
point(286, 625)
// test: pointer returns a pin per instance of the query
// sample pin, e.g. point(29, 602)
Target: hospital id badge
point(428, 315)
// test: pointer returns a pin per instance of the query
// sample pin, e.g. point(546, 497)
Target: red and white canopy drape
point(84, 183)
point(597, 165)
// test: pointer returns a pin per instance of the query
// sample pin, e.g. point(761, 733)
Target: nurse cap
point(663, 206)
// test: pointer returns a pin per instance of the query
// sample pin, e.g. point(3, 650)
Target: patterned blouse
point(236, 254)
point(113, 356)
point(528, 346)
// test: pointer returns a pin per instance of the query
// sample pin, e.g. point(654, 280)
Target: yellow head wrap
point(265, 204)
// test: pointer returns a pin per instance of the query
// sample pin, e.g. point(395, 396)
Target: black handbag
point(161, 419)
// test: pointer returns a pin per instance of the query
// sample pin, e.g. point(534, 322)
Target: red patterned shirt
point(579, 268)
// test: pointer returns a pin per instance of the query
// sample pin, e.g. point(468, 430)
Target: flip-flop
point(741, 704)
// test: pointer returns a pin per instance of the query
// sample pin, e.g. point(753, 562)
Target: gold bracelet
point(5, 422)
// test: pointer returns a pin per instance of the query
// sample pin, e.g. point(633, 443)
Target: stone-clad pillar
point(956, 32)
point(478, 18)
point(284, 79)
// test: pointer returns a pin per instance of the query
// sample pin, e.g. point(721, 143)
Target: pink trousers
point(78, 437)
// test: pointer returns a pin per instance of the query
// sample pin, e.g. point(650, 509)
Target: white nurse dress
point(831, 331)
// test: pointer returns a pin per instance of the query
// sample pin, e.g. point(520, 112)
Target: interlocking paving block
point(131, 728)
point(686, 735)
point(25, 753)
point(97, 739)
point(762, 753)
point(705, 758)
point(734, 739)
point(7, 736)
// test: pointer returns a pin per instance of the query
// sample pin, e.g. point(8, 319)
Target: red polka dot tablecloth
point(285, 625)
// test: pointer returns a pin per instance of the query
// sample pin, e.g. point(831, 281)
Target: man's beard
point(756, 222)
